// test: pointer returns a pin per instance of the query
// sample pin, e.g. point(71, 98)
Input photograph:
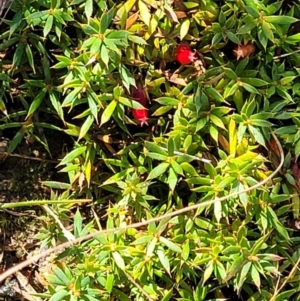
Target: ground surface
point(21, 176)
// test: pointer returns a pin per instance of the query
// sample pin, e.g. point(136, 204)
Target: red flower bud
point(184, 54)
point(139, 95)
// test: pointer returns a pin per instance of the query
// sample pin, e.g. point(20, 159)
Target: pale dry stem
point(292, 272)
point(68, 235)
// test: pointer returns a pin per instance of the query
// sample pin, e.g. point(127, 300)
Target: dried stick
point(285, 280)
point(68, 235)
point(285, 54)
point(79, 240)
point(6, 154)
point(138, 286)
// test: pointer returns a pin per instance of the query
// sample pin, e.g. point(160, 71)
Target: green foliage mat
point(164, 104)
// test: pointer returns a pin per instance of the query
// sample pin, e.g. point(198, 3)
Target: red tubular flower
point(138, 93)
point(184, 54)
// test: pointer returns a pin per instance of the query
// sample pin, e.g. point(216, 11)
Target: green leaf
point(189, 169)
point(104, 55)
point(267, 31)
point(217, 121)
point(36, 102)
point(163, 260)
point(207, 272)
point(119, 260)
point(48, 25)
point(285, 295)
point(280, 19)
point(217, 38)
point(137, 40)
point(158, 170)
point(263, 39)
point(171, 245)
point(142, 240)
point(214, 132)
point(30, 57)
point(57, 185)
point(18, 55)
point(126, 77)
point(296, 206)
point(293, 39)
point(250, 88)
point(274, 7)
point(61, 276)
point(167, 295)
point(171, 147)
point(235, 267)
point(168, 101)
point(231, 250)
point(255, 276)
point(120, 295)
point(260, 122)
point(252, 9)
point(88, 8)
point(72, 155)
point(230, 90)
point(210, 73)
point(16, 140)
point(86, 126)
point(157, 156)
point(109, 282)
point(105, 19)
point(172, 179)
point(246, 28)
point(145, 14)
point(92, 104)
point(184, 28)
point(56, 104)
point(108, 112)
point(232, 37)
point(38, 15)
point(151, 247)
point(230, 73)
point(186, 247)
point(218, 211)
point(77, 224)
point(154, 21)
point(257, 134)
point(244, 273)
point(211, 170)
point(130, 103)
point(256, 82)
point(241, 66)
point(214, 94)
point(60, 295)
point(89, 30)
point(95, 48)
point(152, 147)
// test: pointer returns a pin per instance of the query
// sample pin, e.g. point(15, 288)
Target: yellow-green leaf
point(144, 13)
point(232, 137)
point(184, 28)
point(108, 112)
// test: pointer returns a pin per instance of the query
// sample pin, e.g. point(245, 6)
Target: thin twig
point(68, 235)
point(29, 158)
point(138, 286)
point(190, 156)
point(285, 54)
point(79, 240)
point(286, 280)
point(3, 7)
